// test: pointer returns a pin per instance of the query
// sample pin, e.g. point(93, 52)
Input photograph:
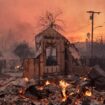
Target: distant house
point(9, 61)
point(54, 55)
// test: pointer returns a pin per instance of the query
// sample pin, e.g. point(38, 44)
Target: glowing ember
point(26, 79)
point(85, 79)
point(17, 67)
point(88, 93)
point(63, 86)
point(21, 91)
point(47, 82)
point(40, 87)
point(71, 93)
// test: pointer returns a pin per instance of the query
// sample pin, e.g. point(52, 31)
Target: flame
point(88, 93)
point(63, 86)
point(26, 79)
point(47, 82)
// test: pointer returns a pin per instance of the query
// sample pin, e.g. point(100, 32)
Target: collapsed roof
point(52, 32)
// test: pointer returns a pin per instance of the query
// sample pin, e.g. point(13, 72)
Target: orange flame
point(63, 86)
point(26, 79)
point(88, 93)
point(47, 82)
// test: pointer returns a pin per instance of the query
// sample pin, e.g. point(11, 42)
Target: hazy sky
point(19, 18)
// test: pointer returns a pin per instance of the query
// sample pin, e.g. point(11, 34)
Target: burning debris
point(64, 93)
point(51, 92)
point(63, 86)
point(47, 83)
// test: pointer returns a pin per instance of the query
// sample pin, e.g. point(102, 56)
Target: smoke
point(18, 18)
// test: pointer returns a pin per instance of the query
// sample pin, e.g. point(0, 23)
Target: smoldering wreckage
point(54, 77)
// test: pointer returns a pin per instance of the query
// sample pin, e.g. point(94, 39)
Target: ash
point(71, 90)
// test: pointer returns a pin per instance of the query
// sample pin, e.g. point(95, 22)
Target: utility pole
point(92, 28)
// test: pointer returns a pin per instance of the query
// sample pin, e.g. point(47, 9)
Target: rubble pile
point(9, 93)
point(97, 76)
point(65, 92)
point(69, 91)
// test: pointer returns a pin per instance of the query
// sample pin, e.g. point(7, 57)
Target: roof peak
point(51, 31)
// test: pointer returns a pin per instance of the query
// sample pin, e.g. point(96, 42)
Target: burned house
point(9, 62)
point(55, 55)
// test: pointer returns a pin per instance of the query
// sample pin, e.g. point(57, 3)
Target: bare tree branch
point(51, 20)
